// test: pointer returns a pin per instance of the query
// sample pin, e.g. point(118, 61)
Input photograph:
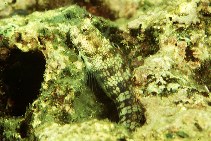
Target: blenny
point(112, 72)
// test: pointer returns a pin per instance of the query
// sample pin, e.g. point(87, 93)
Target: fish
point(110, 67)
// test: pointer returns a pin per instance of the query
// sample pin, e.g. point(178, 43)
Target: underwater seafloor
point(44, 94)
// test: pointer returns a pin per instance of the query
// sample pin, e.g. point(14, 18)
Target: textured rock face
point(161, 57)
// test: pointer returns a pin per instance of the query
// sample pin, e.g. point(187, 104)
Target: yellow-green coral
point(173, 50)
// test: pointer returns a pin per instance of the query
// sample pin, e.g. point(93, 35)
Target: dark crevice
point(150, 46)
point(97, 8)
point(21, 77)
point(202, 74)
point(1, 132)
point(189, 55)
point(110, 110)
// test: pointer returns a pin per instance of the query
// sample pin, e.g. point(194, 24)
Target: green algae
point(173, 45)
point(9, 128)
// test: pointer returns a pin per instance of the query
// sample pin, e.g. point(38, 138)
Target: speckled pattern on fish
point(111, 70)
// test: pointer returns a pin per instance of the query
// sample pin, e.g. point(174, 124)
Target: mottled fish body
point(111, 70)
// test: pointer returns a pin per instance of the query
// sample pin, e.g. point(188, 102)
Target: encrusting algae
point(154, 72)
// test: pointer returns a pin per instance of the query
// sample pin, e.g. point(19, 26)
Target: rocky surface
point(44, 93)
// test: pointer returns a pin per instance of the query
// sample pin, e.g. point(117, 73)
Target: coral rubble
point(168, 47)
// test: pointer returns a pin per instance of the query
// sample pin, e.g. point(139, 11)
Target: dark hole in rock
point(1, 132)
point(23, 129)
point(110, 110)
point(22, 77)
